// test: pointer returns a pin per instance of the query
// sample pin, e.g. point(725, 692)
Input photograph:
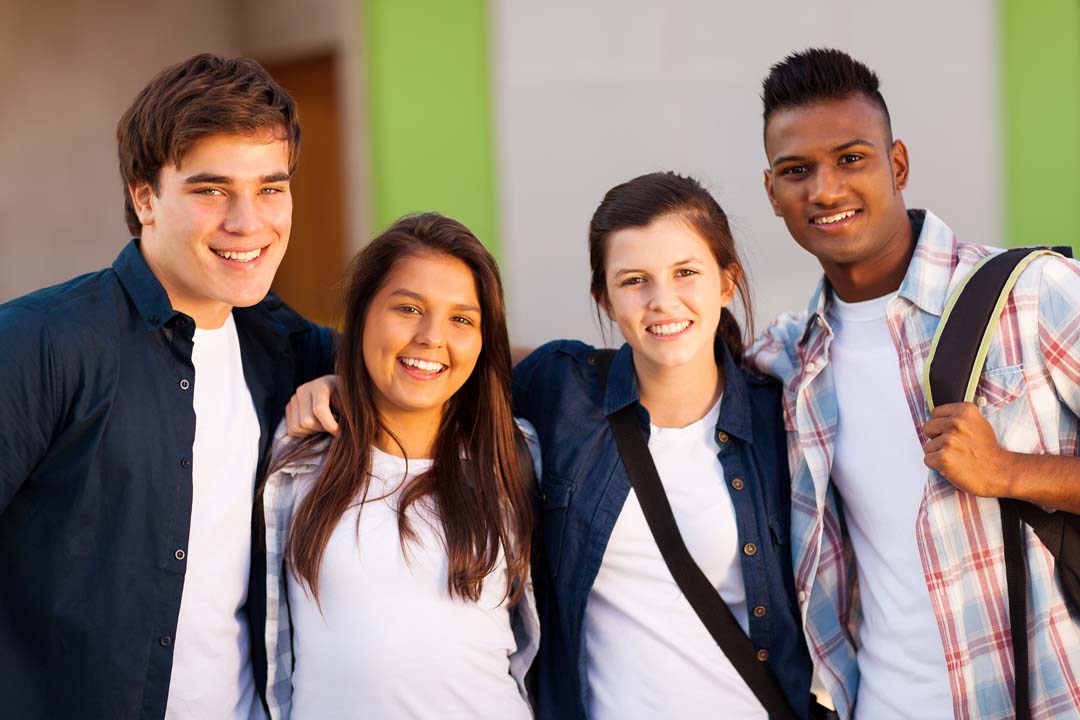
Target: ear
point(729, 283)
point(142, 197)
point(769, 191)
point(604, 304)
point(900, 165)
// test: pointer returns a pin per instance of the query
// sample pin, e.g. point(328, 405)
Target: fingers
point(309, 411)
point(322, 413)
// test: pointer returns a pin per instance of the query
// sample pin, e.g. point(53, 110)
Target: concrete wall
point(591, 94)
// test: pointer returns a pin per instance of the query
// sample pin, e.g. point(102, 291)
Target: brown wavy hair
point(482, 500)
point(638, 203)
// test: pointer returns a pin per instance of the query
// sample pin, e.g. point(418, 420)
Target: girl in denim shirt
point(618, 638)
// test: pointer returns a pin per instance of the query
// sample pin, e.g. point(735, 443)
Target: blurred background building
point(516, 116)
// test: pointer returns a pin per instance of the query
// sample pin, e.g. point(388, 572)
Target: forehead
point(263, 149)
point(667, 240)
point(436, 276)
point(821, 126)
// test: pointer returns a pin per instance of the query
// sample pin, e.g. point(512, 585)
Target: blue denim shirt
point(584, 486)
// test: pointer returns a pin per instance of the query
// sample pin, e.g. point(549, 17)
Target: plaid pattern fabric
point(1030, 393)
point(279, 496)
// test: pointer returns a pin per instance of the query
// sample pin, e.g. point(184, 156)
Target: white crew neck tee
point(211, 674)
point(648, 653)
point(386, 639)
point(878, 469)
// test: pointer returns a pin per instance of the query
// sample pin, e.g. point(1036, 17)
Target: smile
point(830, 219)
point(668, 329)
point(243, 257)
point(422, 368)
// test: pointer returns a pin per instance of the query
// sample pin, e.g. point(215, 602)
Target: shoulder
point(79, 300)
point(553, 359)
point(775, 352)
point(276, 310)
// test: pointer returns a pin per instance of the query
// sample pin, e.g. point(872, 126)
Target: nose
point(663, 297)
point(826, 187)
point(429, 332)
point(243, 216)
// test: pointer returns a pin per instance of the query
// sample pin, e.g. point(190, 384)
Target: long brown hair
point(638, 203)
point(482, 501)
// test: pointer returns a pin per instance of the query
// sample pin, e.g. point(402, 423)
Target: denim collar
point(622, 390)
point(143, 287)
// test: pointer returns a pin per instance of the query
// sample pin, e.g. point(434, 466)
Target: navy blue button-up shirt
point(96, 434)
point(584, 486)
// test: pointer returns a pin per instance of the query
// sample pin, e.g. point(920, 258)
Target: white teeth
point(669, 328)
point(425, 365)
point(240, 256)
point(833, 218)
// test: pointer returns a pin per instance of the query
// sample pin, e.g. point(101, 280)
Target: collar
point(734, 419)
point(926, 282)
point(143, 287)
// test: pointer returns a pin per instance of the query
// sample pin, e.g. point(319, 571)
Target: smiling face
point(665, 291)
point(835, 177)
point(216, 230)
point(422, 335)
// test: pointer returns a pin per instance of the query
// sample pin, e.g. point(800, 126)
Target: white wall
point(589, 94)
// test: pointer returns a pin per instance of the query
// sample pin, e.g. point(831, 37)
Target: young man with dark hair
point(927, 633)
point(137, 405)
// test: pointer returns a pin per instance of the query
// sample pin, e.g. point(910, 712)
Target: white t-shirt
point(386, 639)
point(648, 653)
point(878, 469)
point(211, 673)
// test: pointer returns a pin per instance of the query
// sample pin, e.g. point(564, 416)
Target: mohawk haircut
point(819, 74)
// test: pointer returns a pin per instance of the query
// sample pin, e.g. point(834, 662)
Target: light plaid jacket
point(279, 495)
point(1030, 394)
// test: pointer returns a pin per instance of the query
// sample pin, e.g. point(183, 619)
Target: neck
point(680, 395)
point(207, 314)
point(878, 275)
point(416, 433)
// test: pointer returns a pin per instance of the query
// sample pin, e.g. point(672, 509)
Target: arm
point(27, 397)
point(963, 446)
point(964, 449)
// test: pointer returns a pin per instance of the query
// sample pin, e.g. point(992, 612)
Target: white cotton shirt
point(387, 640)
point(648, 653)
point(878, 469)
point(211, 673)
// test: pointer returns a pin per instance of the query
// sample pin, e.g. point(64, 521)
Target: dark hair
point(482, 502)
point(639, 202)
point(818, 74)
point(202, 96)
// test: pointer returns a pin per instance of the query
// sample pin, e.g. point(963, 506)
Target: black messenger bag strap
point(952, 375)
point(695, 586)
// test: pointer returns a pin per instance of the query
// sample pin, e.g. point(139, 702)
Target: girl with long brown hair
point(398, 550)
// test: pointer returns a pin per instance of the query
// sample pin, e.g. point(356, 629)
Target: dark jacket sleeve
point(314, 348)
point(28, 406)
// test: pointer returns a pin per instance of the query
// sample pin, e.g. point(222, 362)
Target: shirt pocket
point(555, 495)
point(999, 387)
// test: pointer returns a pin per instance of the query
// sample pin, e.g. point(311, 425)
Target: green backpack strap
point(952, 372)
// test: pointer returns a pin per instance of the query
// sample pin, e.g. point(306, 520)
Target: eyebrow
point(460, 307)
point(839, 148)
point(225, 180)
point(687, 261)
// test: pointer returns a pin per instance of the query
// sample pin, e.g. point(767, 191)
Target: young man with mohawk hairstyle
point(136, 407)
point(927, 634)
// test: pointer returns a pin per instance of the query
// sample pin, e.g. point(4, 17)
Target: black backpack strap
point(695, 586)
point(952, 372)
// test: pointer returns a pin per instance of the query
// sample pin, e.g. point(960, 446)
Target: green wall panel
point(429, 106)
point(1040, 63)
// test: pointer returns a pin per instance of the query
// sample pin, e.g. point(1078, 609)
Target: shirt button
point(750, 549)
point(981, 401)
point(811, 366)
point(737, 484)
point(165, 641)
point(185, 463)
point(184, 384)
point(759, 611)
point(802, 596)
point(722, 437)
point(180, 554)
point(762, 655)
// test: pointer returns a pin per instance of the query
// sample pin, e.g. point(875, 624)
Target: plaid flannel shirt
point(278, 498)
point(1030, 393)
